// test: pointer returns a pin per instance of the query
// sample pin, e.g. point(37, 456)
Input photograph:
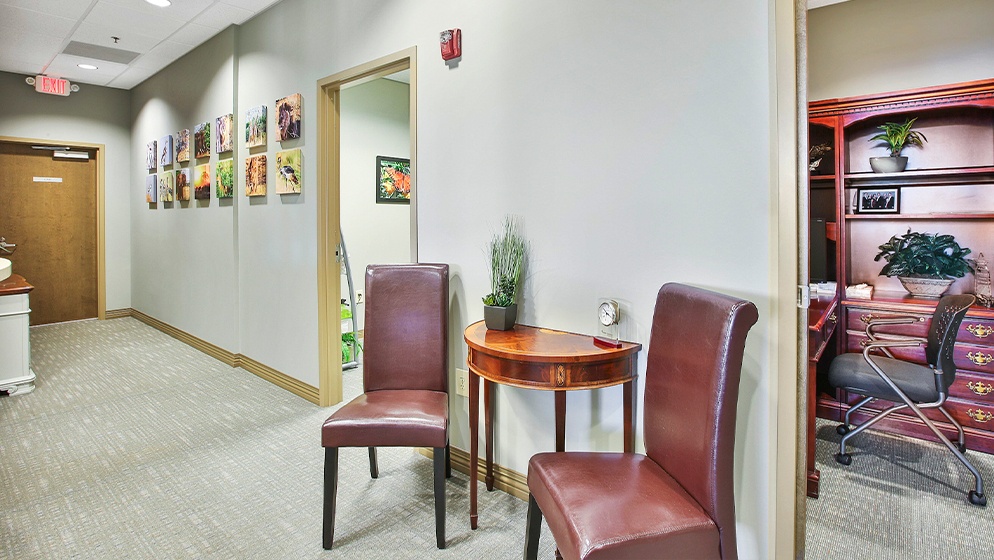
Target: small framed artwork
point(224, 181)
point(255, 126)
point(151, 189)
point(166, 150)
point(202, 182)
point(289, 166)
point(224, 133)
point(393, 180)
point(167, 187)
point(151, 156)
point(255, 176)
point(202, 140)
point(288, 117)
point(182, 184)
point(878, 201)
point(183, 145)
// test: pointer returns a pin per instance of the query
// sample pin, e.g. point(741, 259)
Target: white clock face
point(608, 313)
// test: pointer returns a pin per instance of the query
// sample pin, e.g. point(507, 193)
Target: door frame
point(329, 205)
point(100, 202)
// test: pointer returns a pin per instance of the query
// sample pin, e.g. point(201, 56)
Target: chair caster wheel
point(842, 429)
point(844, 458)
point(978, 499)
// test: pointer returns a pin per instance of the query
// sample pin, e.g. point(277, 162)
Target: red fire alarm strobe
point(451, 41)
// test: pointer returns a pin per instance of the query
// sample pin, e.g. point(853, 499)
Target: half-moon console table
point(545, 359)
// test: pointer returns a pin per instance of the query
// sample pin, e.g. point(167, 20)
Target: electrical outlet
point(360, 297)
point(462, 382)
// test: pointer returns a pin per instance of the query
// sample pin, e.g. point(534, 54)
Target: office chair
point(677, 500)
point(907, 385)
point(405, 401)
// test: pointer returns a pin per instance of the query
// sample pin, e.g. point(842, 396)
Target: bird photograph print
point(183, 145)
point(151, 158)
point(288, 168)
point(224, 133)
point(166, 150)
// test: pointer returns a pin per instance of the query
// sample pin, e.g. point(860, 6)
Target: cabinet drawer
point(973, 387)
point(977, 331)
point(972, 331)
point(967, 413)
point(857, 341)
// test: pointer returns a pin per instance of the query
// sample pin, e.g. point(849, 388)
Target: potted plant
point(896, 137)
point(925, 263)
point(506, 251)
point(350, 344)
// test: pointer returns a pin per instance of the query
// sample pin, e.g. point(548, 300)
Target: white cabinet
point(16, 376)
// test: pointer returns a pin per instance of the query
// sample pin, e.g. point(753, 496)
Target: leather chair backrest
point(691, 392)
point(946, 320)
point(406, 331)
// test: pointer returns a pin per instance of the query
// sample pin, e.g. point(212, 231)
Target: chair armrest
point(906, 320)
point(884, 345)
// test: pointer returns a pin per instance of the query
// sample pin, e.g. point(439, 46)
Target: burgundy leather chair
point(677, 500)
point(405, 401)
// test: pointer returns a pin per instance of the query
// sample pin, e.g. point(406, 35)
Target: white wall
point(631, 138)
point(375, 121)
point(871, 46)
point(96, 115)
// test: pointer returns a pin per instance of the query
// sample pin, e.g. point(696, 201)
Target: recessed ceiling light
point(159, 3)
point(87, 66)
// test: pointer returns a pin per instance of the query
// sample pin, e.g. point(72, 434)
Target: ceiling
point(52, 36)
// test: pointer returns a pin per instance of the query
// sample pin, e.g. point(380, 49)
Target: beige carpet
point(135, 445)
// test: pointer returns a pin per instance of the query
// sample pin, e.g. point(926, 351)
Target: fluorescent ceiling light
point(159, 3)
point(87, 66)
point(72, 155)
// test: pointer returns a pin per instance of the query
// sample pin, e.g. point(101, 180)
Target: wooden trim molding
point(276, 377)
point(505, 479)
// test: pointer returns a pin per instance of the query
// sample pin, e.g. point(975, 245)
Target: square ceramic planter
point(500, 318)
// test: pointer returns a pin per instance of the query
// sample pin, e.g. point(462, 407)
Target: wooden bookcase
point(948, 188)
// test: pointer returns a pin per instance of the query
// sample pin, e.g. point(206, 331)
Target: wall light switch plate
point(462, 382)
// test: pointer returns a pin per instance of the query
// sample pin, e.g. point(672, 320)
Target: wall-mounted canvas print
point(151, 189)
point(255, 176)
point(225, 179)
point(288, 117)
point(151, 159)
point(183, 145)
point(202, 182)
point(202, 140)
point(183, 185)
point(225, 133)
point(289, 165)
point(167, 186)
point(166, 150)
point(393, 180)
point(255, 126)
point(879, 201)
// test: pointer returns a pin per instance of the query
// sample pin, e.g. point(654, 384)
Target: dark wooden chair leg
point(448, 461)
point(330, 492)
point(438, 458)
point(374, 469)
point(533, 529)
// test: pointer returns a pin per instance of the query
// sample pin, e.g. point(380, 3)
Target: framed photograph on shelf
point(393, 180)
point(878, 201)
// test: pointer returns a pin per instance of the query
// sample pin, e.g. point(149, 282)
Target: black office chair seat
point(852, 373)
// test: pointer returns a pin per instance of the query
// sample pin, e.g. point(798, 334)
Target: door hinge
point(803, 297)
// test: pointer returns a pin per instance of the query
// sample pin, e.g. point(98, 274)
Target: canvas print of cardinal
point(288, 171)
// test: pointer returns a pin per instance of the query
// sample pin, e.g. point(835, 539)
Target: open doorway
point(361, 135)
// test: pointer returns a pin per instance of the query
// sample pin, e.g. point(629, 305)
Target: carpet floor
point(134, 445)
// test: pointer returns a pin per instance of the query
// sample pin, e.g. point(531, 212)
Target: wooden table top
point(535, 344)
point(13, 285)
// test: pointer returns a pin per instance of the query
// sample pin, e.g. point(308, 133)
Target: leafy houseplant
point(896, 137)
point(506, 251)
point(924, 258)
point(350, 345)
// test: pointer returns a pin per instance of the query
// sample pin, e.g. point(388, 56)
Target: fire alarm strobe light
point(451, 42)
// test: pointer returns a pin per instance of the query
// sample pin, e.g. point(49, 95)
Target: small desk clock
point(608, 317)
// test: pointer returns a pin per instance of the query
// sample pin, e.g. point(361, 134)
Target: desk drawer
point(972, 331)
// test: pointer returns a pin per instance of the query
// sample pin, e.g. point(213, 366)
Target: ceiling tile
point(64, 66)
point(219, 16)
point(131, 78)
point(18, 19)
point(125, 19)
point(72, 9)
point(193, 34)
point(255, 6)
point(179, 9)
point(100, 34)
point(161, 56)
point(26, 66)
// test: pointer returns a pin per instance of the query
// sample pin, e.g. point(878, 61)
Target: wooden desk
point(822, 318)
point(545, 359)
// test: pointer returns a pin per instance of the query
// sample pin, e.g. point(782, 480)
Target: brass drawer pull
point(980, 358)
point(980, 331)
point(867, 318)
point(982, 416)
point(832, 318)
point(979, 387)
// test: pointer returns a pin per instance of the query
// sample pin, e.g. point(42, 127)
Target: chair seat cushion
point(852, 373)
point(401, 418)
point(618, 506)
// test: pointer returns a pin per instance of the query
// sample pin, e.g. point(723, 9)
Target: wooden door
point(54, 225)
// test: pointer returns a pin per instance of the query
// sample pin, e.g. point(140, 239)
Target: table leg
point(560, 421)
point(488, 416)
point(629, 389)
point(474, 444)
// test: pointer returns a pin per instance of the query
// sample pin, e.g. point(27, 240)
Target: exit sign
point(54, 86)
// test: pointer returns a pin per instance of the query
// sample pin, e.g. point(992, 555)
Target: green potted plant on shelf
point(350, 345)
point(896, 136)
point(506, 251)
point(925, 263)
